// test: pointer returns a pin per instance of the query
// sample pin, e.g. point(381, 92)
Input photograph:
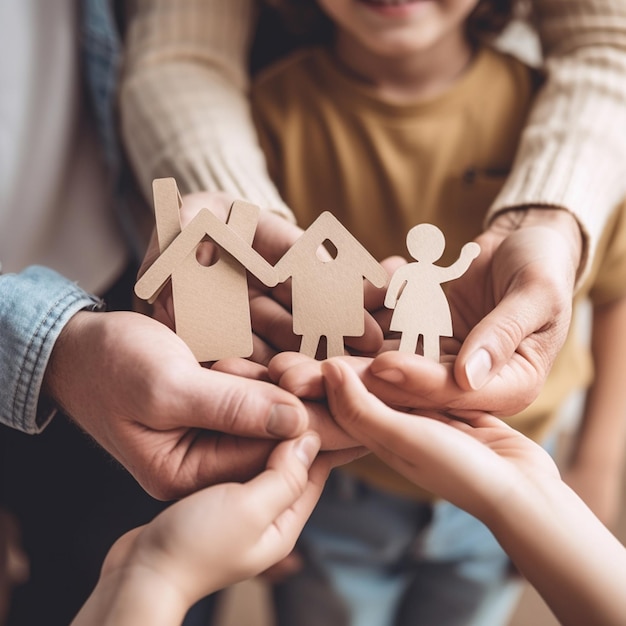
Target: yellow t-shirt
point(333, 145)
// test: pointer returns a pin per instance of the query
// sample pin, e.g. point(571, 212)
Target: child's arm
point(507, 481)
point(598, 457)
point(211, 539)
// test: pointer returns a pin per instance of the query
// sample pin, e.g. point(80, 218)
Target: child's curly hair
point(305, 19)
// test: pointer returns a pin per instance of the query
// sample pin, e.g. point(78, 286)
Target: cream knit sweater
point(185, 111)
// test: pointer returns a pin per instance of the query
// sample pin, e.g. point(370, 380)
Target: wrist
point(560, 220)
point(63, 355)
point(133, 594)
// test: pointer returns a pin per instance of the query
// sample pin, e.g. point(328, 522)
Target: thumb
point(523, 325)
point(286, 477)
point(241, 406)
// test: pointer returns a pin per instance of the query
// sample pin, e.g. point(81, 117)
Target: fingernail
point(283, 421)
point(307, 448)
point(478, 368)
point(392, 375)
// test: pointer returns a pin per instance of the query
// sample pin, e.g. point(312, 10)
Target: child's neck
point(410, 77)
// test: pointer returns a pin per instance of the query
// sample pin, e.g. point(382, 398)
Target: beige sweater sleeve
point(184, 99)
point(185, 113)
point(573, 150)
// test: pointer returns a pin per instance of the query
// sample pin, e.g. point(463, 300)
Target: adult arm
point(184, 99)
point(512, 309)
point(136, 388)
point(508, 482)
point(572, 150)
point(572, 147)
point(185, 111)
point(35, 306)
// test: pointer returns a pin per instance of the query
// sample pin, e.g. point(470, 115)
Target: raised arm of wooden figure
point(468, 253)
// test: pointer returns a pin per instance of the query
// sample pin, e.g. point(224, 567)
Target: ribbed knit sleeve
point(184, 99)
point(185, 110)
point(573, 150)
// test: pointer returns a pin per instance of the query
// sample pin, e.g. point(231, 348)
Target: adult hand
point(270, 309)
point(211, 539)
point(511, 313)
point(136, 388)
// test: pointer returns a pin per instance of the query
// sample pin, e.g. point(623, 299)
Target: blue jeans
point(375, 559)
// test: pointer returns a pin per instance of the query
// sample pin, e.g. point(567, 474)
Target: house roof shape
point(349, 250)
point(202, 225)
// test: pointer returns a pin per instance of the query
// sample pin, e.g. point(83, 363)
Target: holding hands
point(510, 311)
point(176, 426)
point(211, 539)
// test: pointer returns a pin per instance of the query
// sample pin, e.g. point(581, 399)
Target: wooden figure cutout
point(327, 292)
point(211, 306)
point(415, 293)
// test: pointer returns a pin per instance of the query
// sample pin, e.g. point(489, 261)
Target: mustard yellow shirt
point(332, 144)
point(184, 107)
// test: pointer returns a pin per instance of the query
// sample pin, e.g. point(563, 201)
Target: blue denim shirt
point(101, 52)
point(35, 305)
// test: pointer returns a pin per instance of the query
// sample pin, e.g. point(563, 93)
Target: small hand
point(211, 539)
point(472, 463)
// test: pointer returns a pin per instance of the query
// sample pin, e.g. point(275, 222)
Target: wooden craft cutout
point(415, 293)
point(167, 205)
point(211, 306)
point(327, 293)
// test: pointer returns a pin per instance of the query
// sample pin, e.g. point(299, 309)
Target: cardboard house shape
point(327, 289)
point(211, 306)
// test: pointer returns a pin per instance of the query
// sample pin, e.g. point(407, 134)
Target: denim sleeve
point(35, 305)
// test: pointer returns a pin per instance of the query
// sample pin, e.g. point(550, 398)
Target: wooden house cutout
point(415, 293)
point(211, 306)
point(327, 289)
point(167, 205)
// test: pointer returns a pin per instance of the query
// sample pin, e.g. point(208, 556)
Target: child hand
point(230, 532)
point(211, 539)
point(472, 463)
